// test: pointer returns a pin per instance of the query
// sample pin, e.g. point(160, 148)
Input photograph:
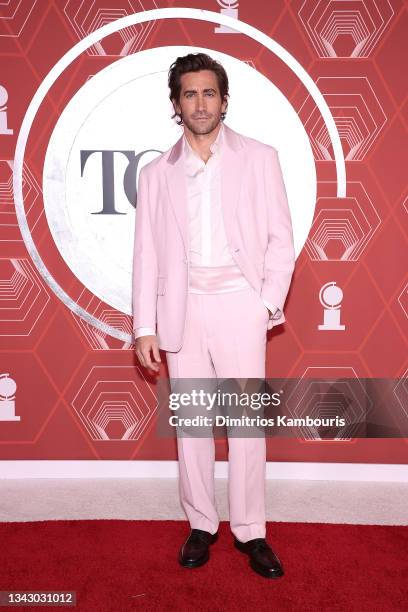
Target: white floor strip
point(367, 472)
point(38, 499)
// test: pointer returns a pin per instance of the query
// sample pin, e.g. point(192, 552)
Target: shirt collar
point(193, 161)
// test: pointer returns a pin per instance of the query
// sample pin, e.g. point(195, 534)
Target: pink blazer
point(257, 224)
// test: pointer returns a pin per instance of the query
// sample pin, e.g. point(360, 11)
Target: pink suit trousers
point(224, 337)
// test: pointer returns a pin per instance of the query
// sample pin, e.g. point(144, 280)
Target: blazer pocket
point(161, 285)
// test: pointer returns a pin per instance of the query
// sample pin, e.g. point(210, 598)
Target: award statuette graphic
point(330, 297)
point(4, 129)
point(7, 398)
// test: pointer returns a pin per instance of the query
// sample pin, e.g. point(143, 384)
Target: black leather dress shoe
point(262, 559)
point(195, 550)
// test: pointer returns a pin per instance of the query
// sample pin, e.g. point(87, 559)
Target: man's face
point(200, 104)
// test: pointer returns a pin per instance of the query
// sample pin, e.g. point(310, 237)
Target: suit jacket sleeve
point(145, 268)
point(144, 331)
point(280, 253)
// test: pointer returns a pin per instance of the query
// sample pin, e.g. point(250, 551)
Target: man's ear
point(226, 103)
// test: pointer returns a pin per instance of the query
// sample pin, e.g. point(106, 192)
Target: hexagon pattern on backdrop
point(71, 391)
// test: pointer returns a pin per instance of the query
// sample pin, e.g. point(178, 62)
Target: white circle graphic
point(125, 108)
point(108, 29)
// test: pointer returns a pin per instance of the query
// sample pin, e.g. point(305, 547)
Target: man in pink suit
point(213, 262)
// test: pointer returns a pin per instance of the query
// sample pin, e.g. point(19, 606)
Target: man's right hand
point(144, 346)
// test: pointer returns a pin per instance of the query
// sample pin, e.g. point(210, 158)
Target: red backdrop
point(64, 368)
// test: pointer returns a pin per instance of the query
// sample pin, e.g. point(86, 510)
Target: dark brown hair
point(193, 62)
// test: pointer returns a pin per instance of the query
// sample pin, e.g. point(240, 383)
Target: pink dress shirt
point(212, 267)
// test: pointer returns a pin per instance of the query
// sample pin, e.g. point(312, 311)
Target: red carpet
point(328, 567)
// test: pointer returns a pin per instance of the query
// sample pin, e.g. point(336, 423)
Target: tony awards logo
point(330, 297)
point(229, 8)
point(7, 398)
point(4, 130)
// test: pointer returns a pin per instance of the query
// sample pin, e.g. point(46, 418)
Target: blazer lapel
point(232, 170)
point(232, 173)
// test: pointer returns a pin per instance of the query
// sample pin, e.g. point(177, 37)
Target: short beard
point(205, 129)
